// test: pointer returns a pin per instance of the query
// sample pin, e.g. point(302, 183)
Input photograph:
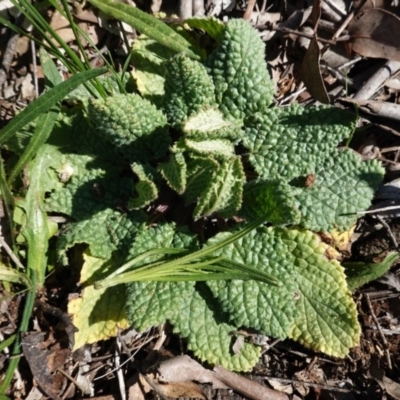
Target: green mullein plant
point(200, 129)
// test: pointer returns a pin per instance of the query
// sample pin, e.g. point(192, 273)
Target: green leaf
point(132, 124)
point(188, 88)
point(36, 230)
point(212, 26)
point(209, 123)
point(200, 172)
point(294, 141)
point(105, 232)
point(147, 24)
point(12, 275)
point(149, 59)
point(193, 314)
point(145, 188)
point(312, 305)
point(360, 273)
point(253, 304)
point(217, 148)
point(44, 127)
point(326, 317)
point(344, 184)
point(274, 197)
point(86, 185)
point(174, 172)
point(43, 103)
point(224, 192)
point(45, 122)
point(50, 71)
point(238, 67)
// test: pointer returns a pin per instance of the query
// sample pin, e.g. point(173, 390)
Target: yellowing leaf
point(98, 314)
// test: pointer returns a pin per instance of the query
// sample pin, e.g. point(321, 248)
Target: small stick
point(9, 251)
point(378, 326)
point(313, 385)
point(385, 224)
point(377, 210)
point(310, 36)
point(249, 9)
point(120, 375)
point(343, 26)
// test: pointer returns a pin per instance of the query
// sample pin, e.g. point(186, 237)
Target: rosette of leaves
point(218, 142)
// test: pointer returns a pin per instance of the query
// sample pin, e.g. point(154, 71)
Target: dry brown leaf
point(310, 69)
point(373, 34)
point(44, 362)
point(175, 389)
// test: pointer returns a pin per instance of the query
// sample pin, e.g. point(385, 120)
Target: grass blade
point(43, 103)
point(146, 24)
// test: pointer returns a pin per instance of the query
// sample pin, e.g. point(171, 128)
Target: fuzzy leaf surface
point(188, 306)
point(105, 232)
point(344, 185)
point(294, 141)
point(175, 172)
point(272, 196)
point(313, 304)
point(145, 188)
point(132, 124)
point(91, 185)
point(326, 318)
point(224, 192)
point(210, 123)
point(217, 148)
point(149, 73)
point(242, 83)
point(188, 88)
point(201, 171)
point(254, 304)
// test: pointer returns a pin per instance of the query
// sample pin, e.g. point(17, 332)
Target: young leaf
point(209, 123)
point(131, 124)
point(224, 192)
point(212, 26)
point(218, 148)
point(149, 59)
point(145, 188)
point(175, 172)
point(188, 89)
point(242, 83)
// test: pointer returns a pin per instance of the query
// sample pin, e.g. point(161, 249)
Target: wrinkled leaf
point(99, 313)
